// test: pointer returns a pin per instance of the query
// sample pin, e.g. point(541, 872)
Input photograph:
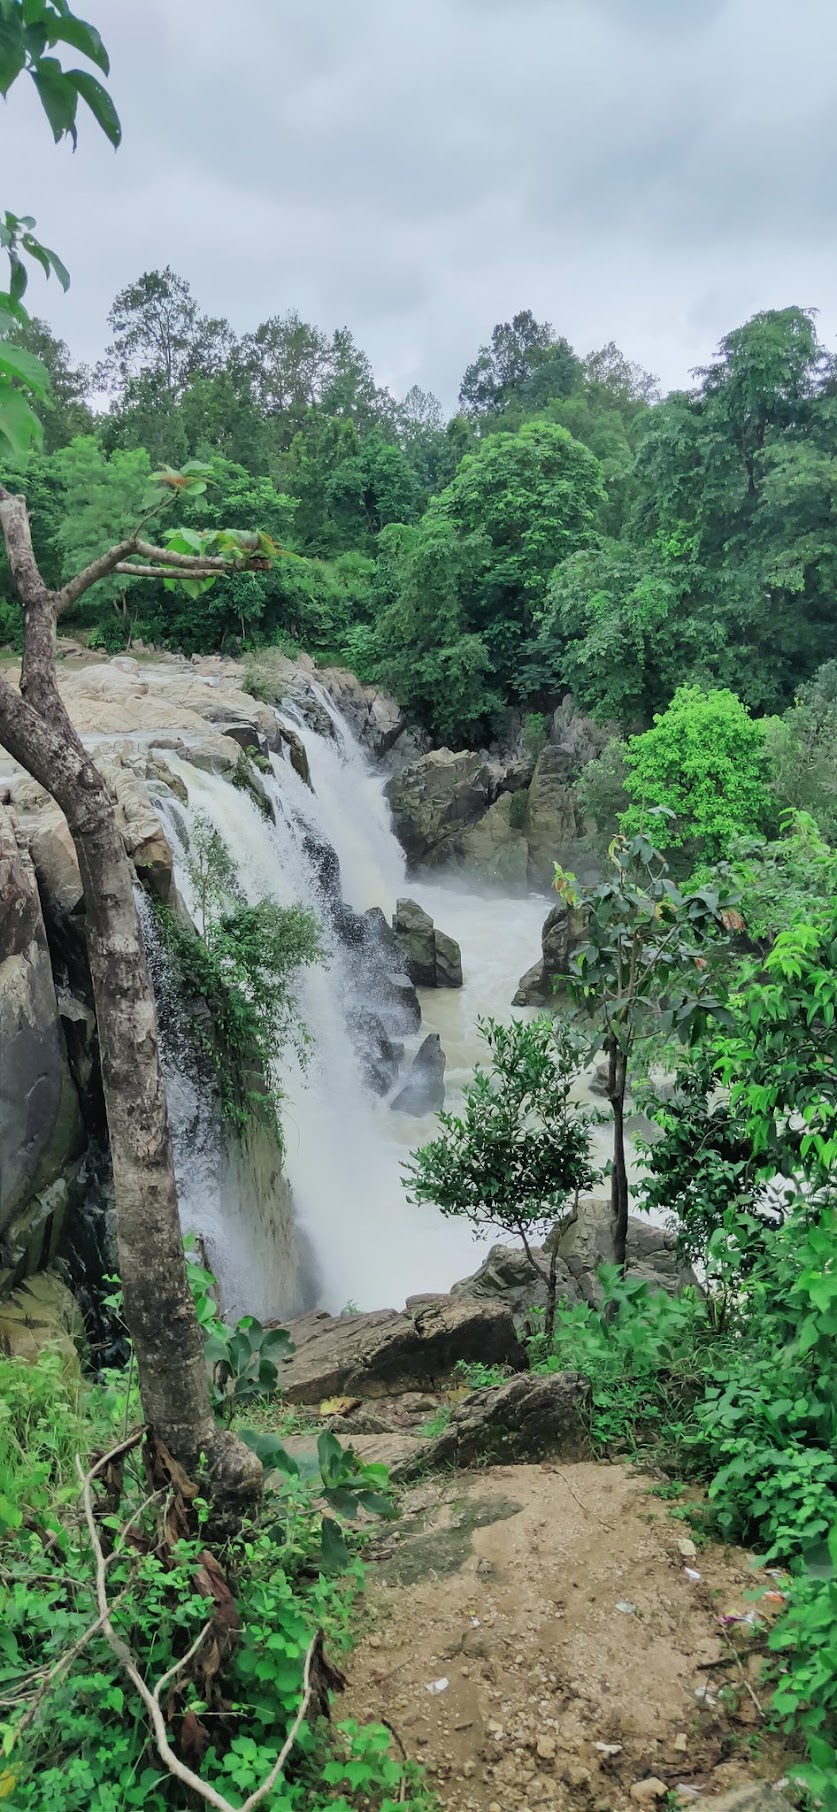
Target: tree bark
point(159, 1312)
point(617, 1077)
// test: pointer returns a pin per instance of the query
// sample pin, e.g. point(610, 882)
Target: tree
point(99, 496)
point(644, 965)
point(161, 340)
point(532, 498)
point(37, 731)
point(763, 376)
point(521, 1151)
point(500, 371)
point(609, 629)
point(704, 762)
point(64, 411)
point(439, 669)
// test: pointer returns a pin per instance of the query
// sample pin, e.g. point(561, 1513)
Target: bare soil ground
point(507, 1584)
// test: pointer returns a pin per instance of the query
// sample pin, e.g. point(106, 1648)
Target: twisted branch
point(151, 1699)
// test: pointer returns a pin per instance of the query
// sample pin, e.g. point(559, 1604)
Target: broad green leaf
point(58, 97)
point(83, 37)
point(19, 425)
point(99, 102)
point(12, 54)
point(17, 363)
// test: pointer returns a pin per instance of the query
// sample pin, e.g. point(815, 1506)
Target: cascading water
point(344, 1146)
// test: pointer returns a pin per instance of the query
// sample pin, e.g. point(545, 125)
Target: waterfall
point(344, 1146)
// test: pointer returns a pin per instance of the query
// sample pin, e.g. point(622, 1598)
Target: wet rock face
point(563, 931)
point(431, 959)
point(40, 1123)
point(424, 1089)
point(438, 797)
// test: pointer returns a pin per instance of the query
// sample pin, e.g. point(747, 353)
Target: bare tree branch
point(196, 569)
point(151, 1700)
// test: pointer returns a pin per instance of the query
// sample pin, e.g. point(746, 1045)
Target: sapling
point(519, 1155)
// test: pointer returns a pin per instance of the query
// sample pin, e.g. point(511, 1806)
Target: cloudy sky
point(649, 171)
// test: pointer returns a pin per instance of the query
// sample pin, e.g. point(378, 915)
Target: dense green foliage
point(704, 763)
point(568, 529)
point(519, 1154)
point(74, 1731)
point(236, 979)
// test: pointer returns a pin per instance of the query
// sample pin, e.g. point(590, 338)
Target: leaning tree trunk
point(159, 1311)
point(617, 1076)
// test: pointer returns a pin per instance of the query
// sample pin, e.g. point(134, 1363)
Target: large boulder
point(436, 798)
point(40, 1316)
point(40, 1123)
point(529, 1418)
point(55, 862)
point(495, 848)
point(431, 959)
point(415, 938)
point(553, 825)
point(384, 1353)
point(448, 961)
point(562, 932)
point(424, 1089)
point(586, 1242)
point(506, 1275)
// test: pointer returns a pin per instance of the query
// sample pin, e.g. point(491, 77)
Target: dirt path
point(507, 1583)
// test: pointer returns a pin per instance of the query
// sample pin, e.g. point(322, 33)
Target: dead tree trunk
point(617, 1079)
point(36, 730)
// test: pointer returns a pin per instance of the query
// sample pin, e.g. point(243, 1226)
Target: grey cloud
point(644, 170)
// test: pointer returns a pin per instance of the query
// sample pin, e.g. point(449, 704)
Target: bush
point(704, 762)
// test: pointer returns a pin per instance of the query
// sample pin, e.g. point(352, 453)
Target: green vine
point(237, 980)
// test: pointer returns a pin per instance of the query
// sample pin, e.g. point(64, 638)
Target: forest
point(567, 528)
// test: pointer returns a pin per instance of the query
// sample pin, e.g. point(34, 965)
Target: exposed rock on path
point(525, 1419)
point(382, 1353)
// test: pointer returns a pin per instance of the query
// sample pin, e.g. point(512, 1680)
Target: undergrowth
point(748, 1409)
point(74, 1734)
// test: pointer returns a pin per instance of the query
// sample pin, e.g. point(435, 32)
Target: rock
point(438, 797)
point(374, 716)
point(507, 1276)
point(647, 1792)
point(424, 1089)
point(33, 1237)
point(398, 1005)
point(531, 991)
point(380, 1055)
point(431, 959)
point(528, 1418)
point(384, 1353)
point(448, 961)
point(563, 930)
point(297, 753)
point(495, 848)
point(586, 1243)
point(553, 821)
point(40, 1124)
point(415, 938)
point(41, 1314)
point(754, 1796)
point(55, 862)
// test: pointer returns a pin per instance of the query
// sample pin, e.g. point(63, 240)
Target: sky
point(645, 171)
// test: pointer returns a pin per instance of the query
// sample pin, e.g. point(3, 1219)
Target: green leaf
point(12, 54)
point(335, 1554)
point(99, 102)
point(58, 97)
point(17, 363)
point(19, 425)
point(83, 37)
